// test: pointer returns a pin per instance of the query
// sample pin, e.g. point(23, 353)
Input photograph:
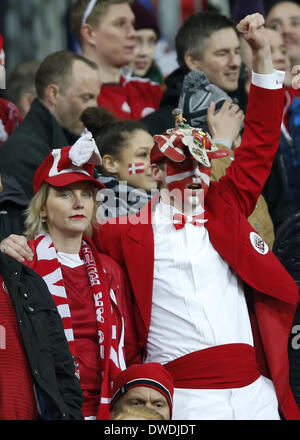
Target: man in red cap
point(212, 303)
point(146, 385)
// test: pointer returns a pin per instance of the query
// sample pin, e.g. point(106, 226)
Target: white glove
point(85, 151)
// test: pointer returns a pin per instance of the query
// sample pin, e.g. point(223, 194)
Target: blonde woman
point(87, 287)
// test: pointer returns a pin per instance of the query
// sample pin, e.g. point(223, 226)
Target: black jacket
point(287, 249)
point(57, 389)
point(30, 144)
point(276, 193)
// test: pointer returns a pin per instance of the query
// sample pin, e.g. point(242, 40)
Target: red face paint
point(188, 180)
point(187, 152)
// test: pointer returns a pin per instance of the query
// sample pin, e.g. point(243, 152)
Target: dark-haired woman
point(126, 171)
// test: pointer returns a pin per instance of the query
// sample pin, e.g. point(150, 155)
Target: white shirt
point(198, 301)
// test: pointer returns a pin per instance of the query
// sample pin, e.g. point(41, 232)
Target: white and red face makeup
point(188, 180)
point(187, 152)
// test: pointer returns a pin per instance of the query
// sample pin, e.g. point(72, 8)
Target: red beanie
point(152, 375)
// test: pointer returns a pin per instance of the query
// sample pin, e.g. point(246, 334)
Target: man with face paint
point(212, 302)
point(184, 155)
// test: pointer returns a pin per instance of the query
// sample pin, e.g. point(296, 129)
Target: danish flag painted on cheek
point(136, 168)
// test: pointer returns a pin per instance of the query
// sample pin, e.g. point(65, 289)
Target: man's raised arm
point(253, 30)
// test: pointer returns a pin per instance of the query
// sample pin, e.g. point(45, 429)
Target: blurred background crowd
point(44, 25)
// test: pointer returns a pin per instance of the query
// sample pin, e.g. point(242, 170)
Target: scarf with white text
point(46, 264)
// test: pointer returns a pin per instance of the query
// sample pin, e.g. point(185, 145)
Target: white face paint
point(195, 201)
point(196, 174)
point(179, 176)
point(200, 177)
point(187, 182)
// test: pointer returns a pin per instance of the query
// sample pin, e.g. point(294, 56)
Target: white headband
point(88, 11)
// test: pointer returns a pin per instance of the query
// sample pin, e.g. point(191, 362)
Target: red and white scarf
point(47, 265)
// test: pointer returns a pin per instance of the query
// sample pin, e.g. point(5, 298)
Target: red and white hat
point(67, 165)
point(184, 141)
point(152, 375)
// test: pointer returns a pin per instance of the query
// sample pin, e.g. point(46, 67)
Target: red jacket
point(132, 98)
point(271, 293)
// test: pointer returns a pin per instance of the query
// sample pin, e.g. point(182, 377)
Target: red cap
point(152, 375)
point(68, 165)
point(1, 42)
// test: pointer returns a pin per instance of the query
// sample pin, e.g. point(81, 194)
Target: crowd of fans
point(149, 222)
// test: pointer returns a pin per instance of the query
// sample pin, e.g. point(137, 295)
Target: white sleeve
point(270, 80)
